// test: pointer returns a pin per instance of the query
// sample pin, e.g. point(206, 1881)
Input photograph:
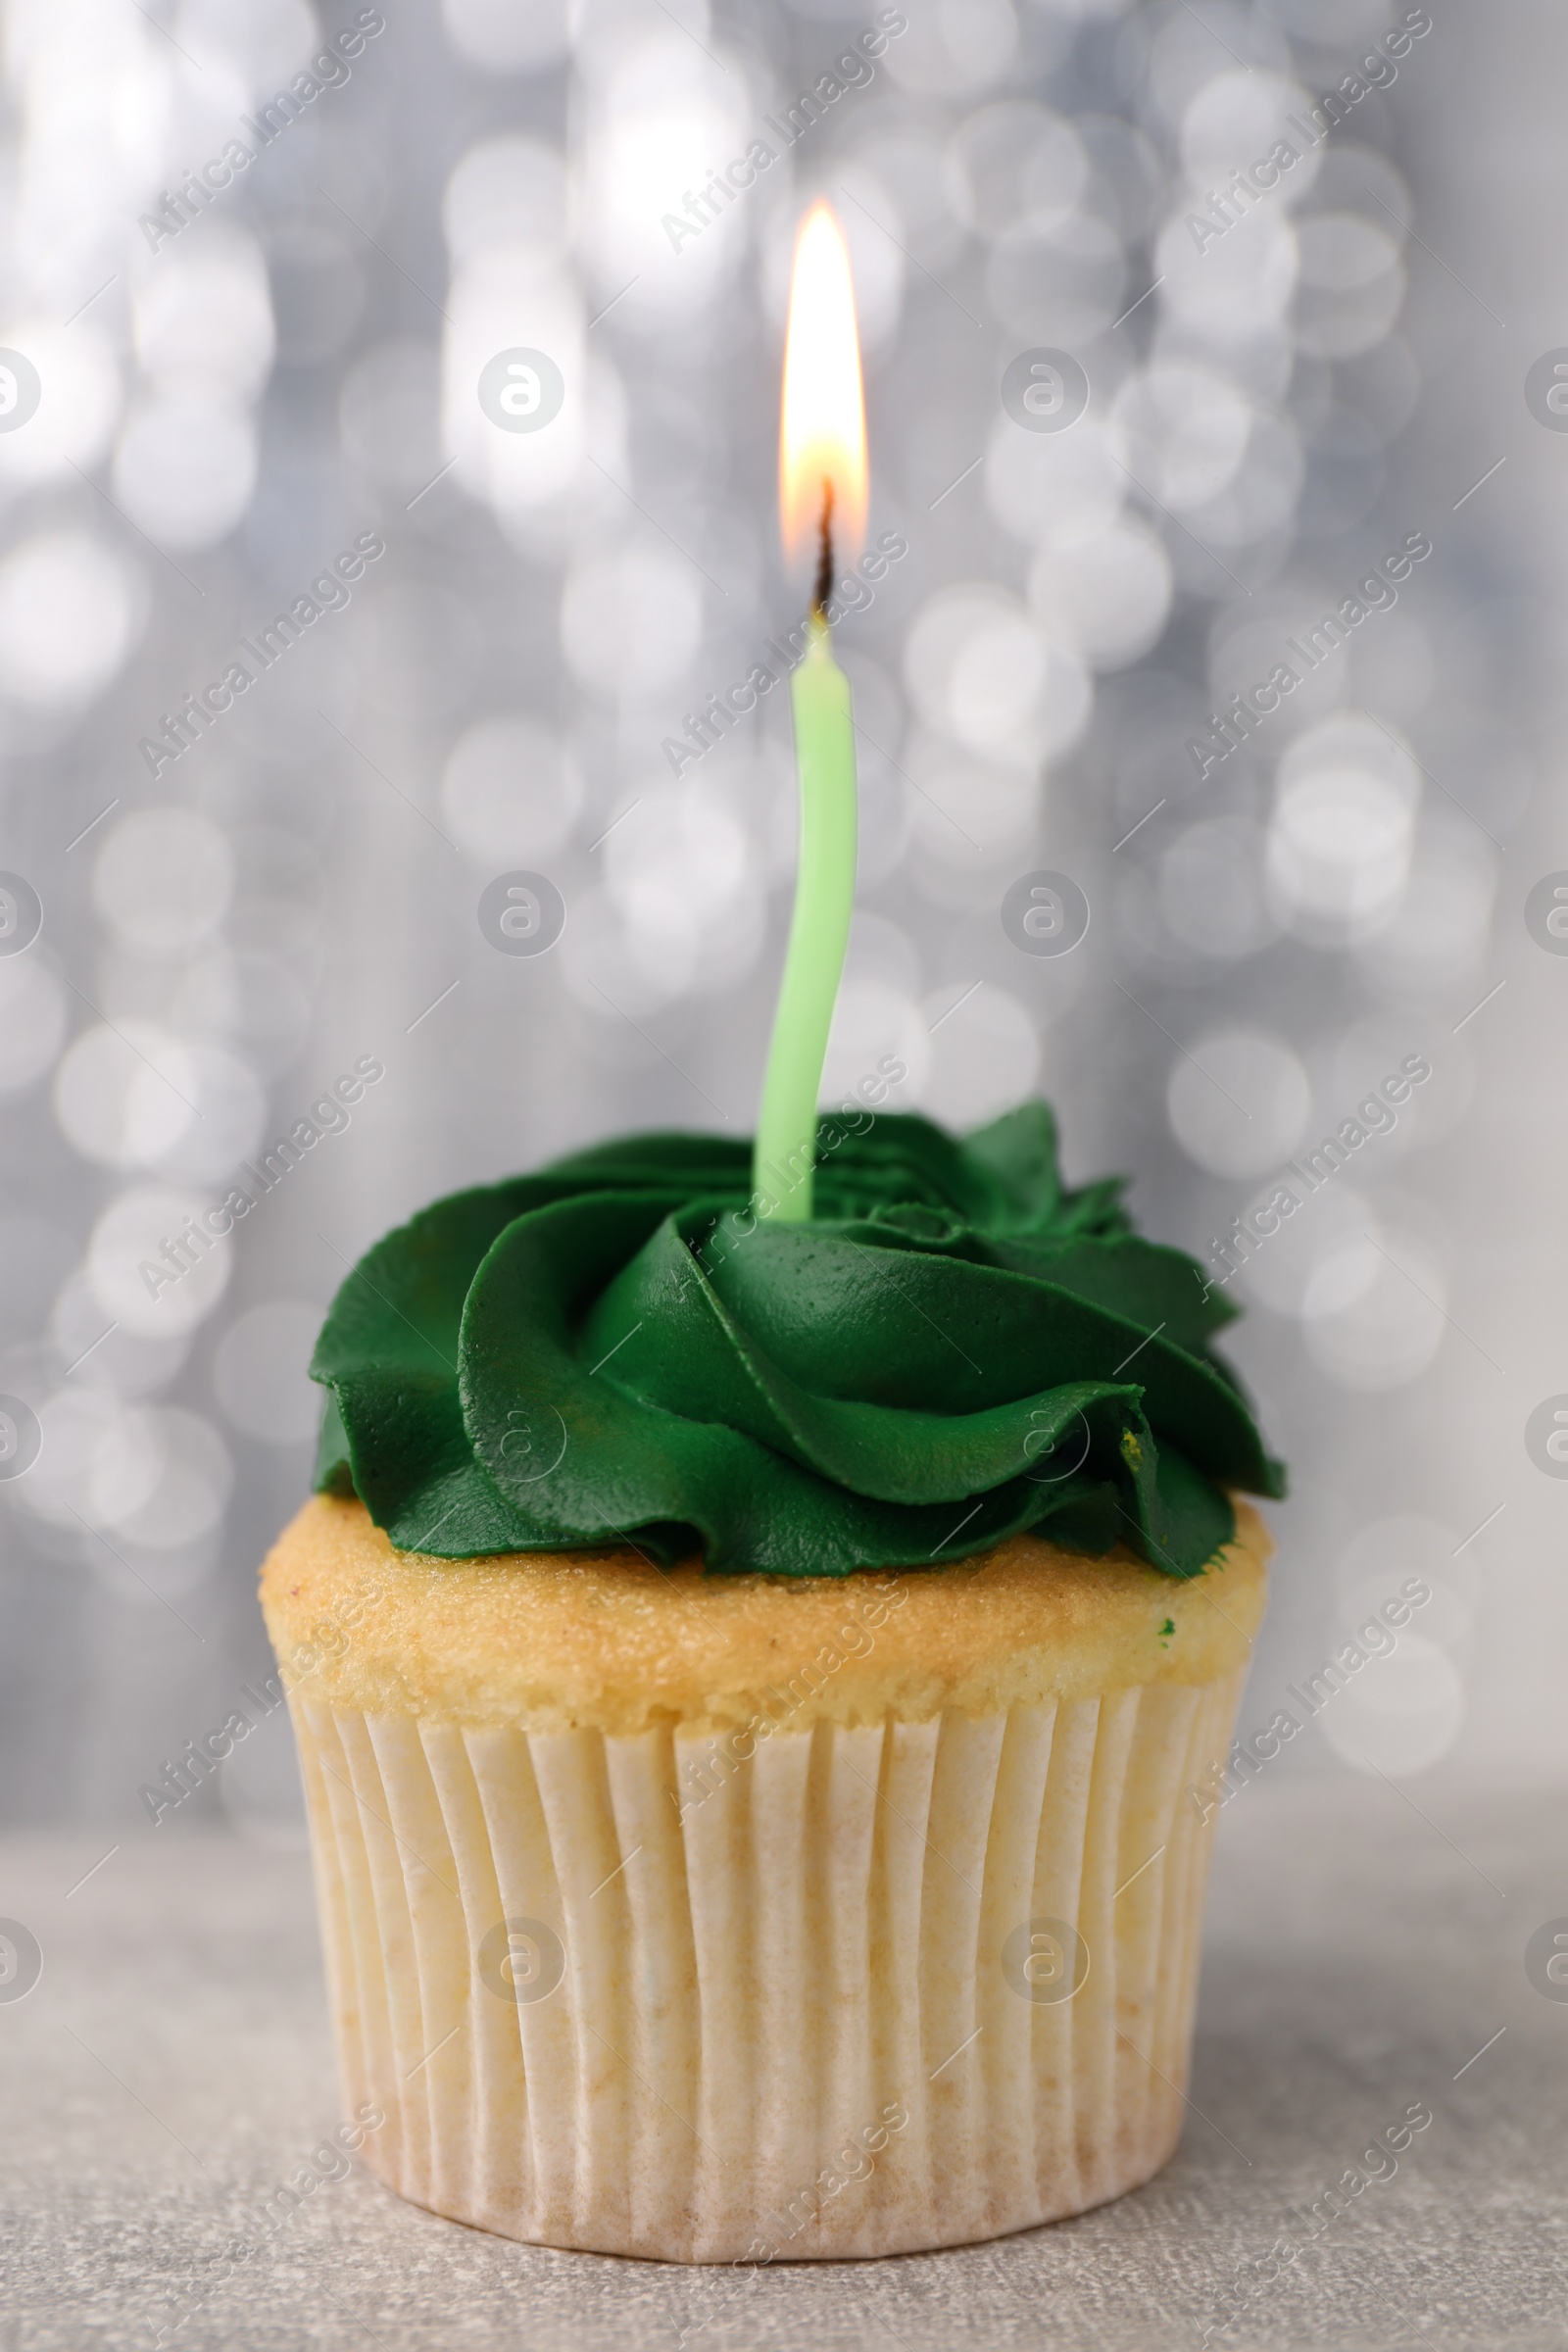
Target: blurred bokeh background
point(1231, 398)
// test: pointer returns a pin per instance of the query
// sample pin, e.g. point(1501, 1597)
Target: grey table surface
point(172, 2066)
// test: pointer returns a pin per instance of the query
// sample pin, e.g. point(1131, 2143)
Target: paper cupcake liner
point(875, 1989)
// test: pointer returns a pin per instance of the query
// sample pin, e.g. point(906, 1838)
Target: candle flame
point(821, 468)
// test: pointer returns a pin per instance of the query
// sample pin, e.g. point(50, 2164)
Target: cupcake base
point(743, 1919)
point(879, 1986)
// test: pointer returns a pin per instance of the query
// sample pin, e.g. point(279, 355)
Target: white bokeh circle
point(1242, 113)
point(69, 612)
point(125, 1095)
point(510, 790)
point(1015, 162)
point(1400, 1713)
point(203, 317)
point(1238, 1102)
point(1343, 829)
point(985, 1056)
point(675, 863)
point(230, 1107)
point(1184, 427)
point(130, 1234)
point(507, 191)
point(875, 1023)
point(978, 668)
point(163, 879)
point(1374, 1309)
point(160, 1476)
point(82, 372)
point(75, 1421)
point(1104, 591)
point(1388, 1554)
point(630, 620)
point(1338, 852)
point(185, 470)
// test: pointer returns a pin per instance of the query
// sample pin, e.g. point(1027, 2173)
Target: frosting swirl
point(954, 1349)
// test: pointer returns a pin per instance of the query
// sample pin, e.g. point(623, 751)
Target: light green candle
point(825, 897)
point(823, 491)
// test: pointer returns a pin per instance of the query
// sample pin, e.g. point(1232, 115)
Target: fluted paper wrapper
point(876, 1990)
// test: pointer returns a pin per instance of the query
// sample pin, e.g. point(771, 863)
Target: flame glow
point(822, 425)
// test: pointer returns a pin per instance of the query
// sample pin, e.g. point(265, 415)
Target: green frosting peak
point(954, 1349)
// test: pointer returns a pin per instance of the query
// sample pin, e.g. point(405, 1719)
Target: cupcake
point(752, 1680)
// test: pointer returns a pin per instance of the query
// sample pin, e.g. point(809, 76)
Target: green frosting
point(954, 1349)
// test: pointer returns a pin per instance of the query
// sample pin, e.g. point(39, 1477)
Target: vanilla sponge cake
point(607, 1641)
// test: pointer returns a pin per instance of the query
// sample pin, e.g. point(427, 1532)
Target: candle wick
point(824, 562)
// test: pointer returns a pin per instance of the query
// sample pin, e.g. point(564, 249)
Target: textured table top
point(172, 2066)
